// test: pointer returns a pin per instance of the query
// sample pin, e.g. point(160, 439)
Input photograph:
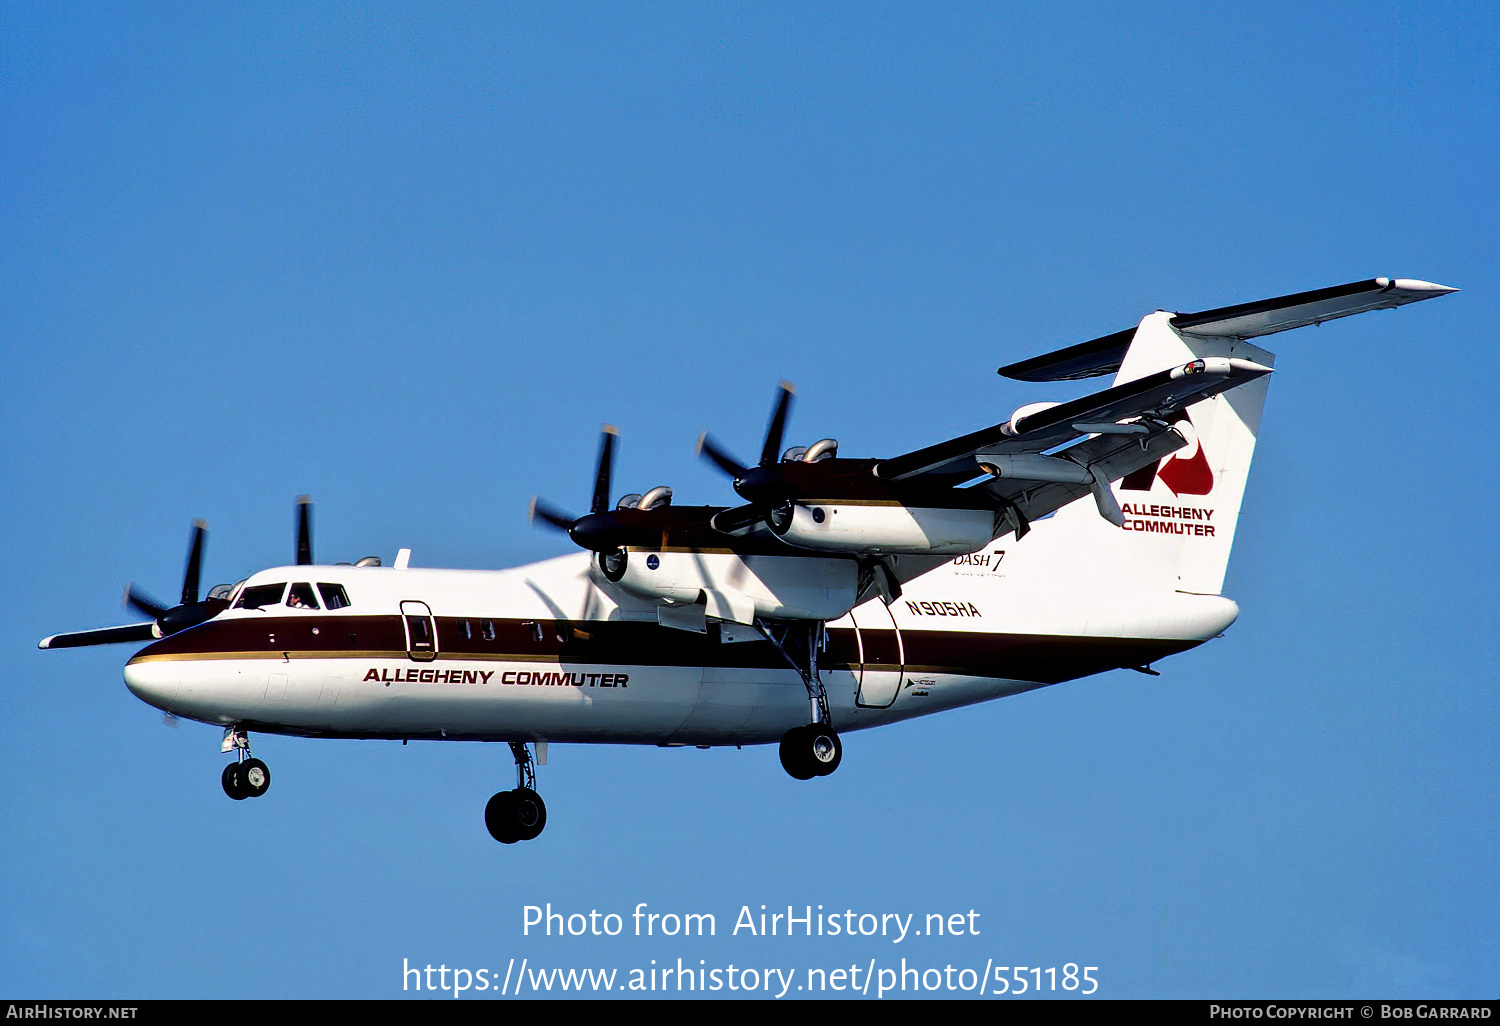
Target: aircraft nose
point(155, 683)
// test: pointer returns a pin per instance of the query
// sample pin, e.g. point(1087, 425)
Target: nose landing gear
point(246, 777)
point(521, 814)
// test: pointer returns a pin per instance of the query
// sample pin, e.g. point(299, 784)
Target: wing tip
point(1417, 285)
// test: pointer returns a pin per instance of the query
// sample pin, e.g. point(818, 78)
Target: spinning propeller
point(763, 486)
point(604, 530)
point(190, 610)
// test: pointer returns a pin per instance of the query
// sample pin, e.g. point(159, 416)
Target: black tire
point(255, 778)
point(530, 812)
point(500, 818)
point(824, 749)
point(795, 754)
point(234, 783)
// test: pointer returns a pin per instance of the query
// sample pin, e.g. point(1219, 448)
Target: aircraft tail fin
point(1181, 511)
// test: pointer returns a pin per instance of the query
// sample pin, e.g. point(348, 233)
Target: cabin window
point(334, 596)
point(463, 629)
point(487, 628)
point(301, 597)
point(261, 595)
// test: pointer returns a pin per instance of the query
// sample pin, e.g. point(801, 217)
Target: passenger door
point(882, 656)
point(421, 631)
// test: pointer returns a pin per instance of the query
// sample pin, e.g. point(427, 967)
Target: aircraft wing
point(1146, 404)
point(102, 636)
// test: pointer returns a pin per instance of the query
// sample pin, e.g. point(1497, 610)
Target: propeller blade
point(102, 636)
point(604, 473)
point(194, 568)
point(549, 515)
point(143, 603)
point(304, 530)
point(719, 457)
point(771, 451)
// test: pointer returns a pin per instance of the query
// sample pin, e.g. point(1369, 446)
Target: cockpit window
point(334, 596)
point(301, 597)
point(260, 595)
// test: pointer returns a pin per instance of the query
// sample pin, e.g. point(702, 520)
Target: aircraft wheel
point(500, 818)
point(255, 778)
point(796, 754)
point(824, 750)
point(530, 812)
point(234, 782)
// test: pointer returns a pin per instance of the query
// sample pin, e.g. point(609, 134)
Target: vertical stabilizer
point(1181, 512)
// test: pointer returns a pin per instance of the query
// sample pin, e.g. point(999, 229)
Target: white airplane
point(845, 594)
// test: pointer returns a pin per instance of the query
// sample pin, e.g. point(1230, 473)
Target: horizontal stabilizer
point(1247, 320)
point(1085, 360)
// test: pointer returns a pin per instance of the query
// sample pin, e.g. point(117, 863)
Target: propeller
point(602, 530)
point(763, 486)
point(189, 612)
point(304, 530)
point(596, 529)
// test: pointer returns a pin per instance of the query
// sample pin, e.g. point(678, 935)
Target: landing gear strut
point(517, 815)
point(246, 777)
point(813, 750)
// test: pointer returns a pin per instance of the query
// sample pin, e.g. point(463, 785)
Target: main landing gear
point(246, 777)
point(521, 814)
point(812, 750)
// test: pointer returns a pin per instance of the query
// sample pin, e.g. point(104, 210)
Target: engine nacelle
point(740, 588)
point(886, 530)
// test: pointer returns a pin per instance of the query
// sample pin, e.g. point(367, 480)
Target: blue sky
point(409, 258)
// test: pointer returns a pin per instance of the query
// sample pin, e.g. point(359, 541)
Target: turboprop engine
point(811, 499)
point(654, 551)
point(887, 529)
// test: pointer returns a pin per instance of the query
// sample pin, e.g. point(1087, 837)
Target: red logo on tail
point(1184, 475)
point(1187, 476)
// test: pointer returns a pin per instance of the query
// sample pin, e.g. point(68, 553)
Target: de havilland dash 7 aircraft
point(844, 593)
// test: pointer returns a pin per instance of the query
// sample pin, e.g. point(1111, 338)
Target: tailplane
point(1181, 511)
